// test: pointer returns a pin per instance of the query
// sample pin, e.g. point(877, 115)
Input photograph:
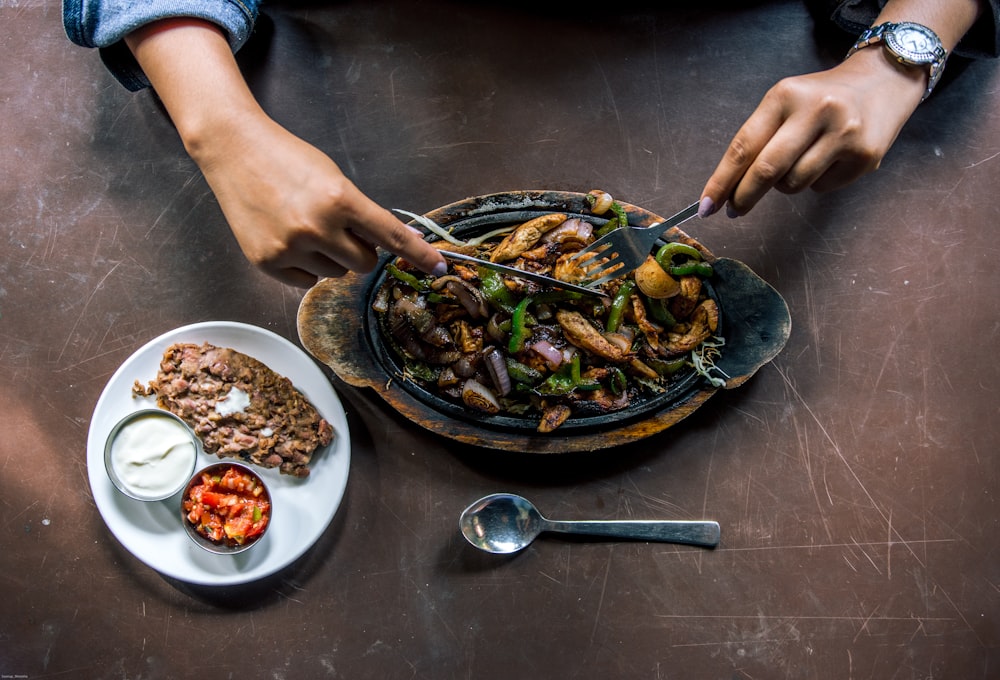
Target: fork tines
point(612, 274)
point(594, 250)
point(602, 268)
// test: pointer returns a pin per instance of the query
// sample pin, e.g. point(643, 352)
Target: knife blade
point(521, 274)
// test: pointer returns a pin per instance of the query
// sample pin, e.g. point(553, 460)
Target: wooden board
point(331, 327)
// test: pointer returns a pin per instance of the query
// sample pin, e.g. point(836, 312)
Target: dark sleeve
point(854, 16)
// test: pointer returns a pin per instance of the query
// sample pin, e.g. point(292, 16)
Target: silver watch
point(909, 43)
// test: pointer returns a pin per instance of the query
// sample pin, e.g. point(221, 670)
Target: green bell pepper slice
point(566, 379)
point(407, 278)
point(519, 331)
point(693, 264)
point(618, 305)
point(497, 294)
point(520, 373)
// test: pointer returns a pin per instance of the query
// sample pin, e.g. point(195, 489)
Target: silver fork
point(624, 249)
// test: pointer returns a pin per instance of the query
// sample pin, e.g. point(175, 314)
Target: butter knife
point(521, 274)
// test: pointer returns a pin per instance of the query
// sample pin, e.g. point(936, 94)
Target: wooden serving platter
point(335, 325)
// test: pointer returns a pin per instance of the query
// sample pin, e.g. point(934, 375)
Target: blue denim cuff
point(105, 23)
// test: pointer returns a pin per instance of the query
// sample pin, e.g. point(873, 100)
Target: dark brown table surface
point(855, 478)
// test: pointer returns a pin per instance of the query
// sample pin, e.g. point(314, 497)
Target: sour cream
point(153, 455)
point(236, 401)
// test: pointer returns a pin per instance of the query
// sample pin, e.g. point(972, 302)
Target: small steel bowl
point(224, 547)
point(169, 487)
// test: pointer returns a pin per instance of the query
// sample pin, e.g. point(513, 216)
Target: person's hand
point(820, 130)
point(293, 212)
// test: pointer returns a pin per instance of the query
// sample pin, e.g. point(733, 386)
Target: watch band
point(933, 57)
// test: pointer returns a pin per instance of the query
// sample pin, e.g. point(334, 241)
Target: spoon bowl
point(505, 523)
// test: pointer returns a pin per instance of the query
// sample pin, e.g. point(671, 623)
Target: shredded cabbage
point(703, 360)
point(434, 227)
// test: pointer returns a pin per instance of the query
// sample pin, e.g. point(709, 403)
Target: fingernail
point(440, 269)
point(731, 212)
point(706, 207)
point(415, 230)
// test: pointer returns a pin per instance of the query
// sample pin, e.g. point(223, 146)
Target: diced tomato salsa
point(232, 509)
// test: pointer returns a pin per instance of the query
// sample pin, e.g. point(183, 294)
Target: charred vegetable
point(499, 344)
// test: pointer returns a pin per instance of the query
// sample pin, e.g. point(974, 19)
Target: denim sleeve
point(105, 23)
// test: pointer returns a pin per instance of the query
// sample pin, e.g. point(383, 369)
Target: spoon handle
point(704, 533)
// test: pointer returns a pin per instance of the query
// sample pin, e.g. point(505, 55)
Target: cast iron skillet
point(337, 325)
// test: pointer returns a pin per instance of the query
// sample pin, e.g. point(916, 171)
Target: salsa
point(231, 509)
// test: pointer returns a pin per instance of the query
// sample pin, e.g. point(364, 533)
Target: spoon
point(504, 523)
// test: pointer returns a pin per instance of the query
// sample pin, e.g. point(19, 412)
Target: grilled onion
point(478, 396)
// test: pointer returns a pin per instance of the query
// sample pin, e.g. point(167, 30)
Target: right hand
point(295, 214)
point(292, 210)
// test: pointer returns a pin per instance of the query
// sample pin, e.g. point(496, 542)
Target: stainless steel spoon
point(505, 523)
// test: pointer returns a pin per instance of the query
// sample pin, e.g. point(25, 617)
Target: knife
point(521, 274)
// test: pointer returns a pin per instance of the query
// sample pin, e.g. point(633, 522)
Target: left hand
point(820, 130)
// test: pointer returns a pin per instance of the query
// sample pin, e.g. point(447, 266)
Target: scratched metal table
point(855, 477)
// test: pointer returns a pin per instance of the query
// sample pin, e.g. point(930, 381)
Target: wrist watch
point(909, 43)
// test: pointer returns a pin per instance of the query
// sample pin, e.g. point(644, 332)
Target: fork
point(624, 249)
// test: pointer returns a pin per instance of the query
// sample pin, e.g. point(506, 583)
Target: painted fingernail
point(706, 207)
point(415, 230)
point(440, 269)
point(731, 212)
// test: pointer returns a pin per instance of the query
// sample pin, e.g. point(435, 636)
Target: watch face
point(913, 43)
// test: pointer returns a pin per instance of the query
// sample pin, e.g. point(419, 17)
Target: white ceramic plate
point(302, 508)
